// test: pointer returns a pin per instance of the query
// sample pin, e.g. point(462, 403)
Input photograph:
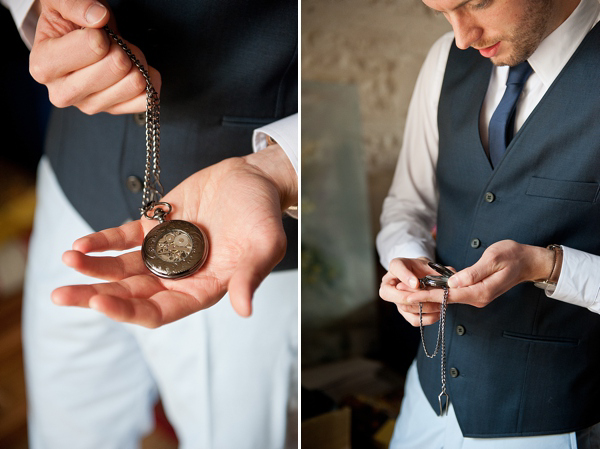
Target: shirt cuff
point(395, 240)
point(579, 283)
point(284, 132)
point(24, 17)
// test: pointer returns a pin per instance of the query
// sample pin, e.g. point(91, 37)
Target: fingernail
point(413, 282)
point(55, 298)
point(453, 282)
point(95, 13)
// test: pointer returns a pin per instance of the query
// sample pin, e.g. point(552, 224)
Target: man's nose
point(466, 31)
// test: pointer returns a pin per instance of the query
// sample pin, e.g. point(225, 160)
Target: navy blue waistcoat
point(227, 68)
point(525, 364)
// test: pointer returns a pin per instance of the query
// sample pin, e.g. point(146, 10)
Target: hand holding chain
point(438, 282)
point(176, 248)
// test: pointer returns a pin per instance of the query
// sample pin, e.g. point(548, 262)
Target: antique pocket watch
point(174, 249)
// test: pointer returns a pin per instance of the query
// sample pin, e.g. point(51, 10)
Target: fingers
point(242, 286)
point(403, 270)
point(122, 238)
point(428, 307)
point(86, 13)
point(118, 293)
point(138, 286)
point(389, 292)
point(482, 293)
point(73, 295)
point(54, 58)
point(414, 320)
point(390, 278)
point(118, 99)
point(471, 275)
point(96, 88)
point(251, 270)
point(139, 300)
point(408, 300)
point(144, 312)
point(131, 106)
point(161, 308)
point(106, 268)
point(88, 69)
point(72, 88)
point(432, 295)
point(505, 255)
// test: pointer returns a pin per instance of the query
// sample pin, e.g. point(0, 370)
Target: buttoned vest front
point(525, 364)
point(226, 67)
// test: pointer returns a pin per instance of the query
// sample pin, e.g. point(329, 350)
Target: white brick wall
point(378, 45)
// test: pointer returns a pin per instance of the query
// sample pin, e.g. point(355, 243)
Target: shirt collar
point(554, 52)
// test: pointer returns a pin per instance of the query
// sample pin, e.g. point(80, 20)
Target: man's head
point(506, 31)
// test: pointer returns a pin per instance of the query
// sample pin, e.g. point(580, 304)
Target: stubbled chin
point(498, 61)
point(504, 57)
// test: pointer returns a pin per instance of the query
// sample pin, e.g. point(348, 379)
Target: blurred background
point(22, 127)
point(24, 116)
point(360, 61)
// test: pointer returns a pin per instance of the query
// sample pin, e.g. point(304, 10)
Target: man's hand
point(238, 202)
point(80, 65)
point(401, 284)
point(502, 266)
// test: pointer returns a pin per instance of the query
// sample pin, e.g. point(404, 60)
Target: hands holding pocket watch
point(503, 265)
point(239, 203)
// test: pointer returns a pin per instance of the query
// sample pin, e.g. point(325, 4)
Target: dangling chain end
point(444, 407)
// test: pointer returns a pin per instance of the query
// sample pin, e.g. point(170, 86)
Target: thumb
point(251, 270)
point(471, 275)
point(243, 284)
point(85, 13)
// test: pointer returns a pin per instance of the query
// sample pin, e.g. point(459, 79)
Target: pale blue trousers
point(418, 427)
point(225, 381)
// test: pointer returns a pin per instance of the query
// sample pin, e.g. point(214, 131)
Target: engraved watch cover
point(175, 249)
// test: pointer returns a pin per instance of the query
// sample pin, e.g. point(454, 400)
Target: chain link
point(440, 342)
point(153, 189)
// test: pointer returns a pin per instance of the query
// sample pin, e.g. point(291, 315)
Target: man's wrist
point(550, 280)
point(284, 132)
point(276, 165)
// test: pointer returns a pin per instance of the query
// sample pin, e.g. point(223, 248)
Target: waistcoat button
point(454, 372)
point(475, 243)
point(490, 197)
point(140, 118)
point(460, 330)
point(133, 184)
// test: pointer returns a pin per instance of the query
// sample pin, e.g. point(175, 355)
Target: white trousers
point(226, 382)
point(418, 427)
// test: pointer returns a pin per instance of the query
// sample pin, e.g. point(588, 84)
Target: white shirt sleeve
point(284, 132)
point(25, 18)
point(410, 209)
point(579, 281)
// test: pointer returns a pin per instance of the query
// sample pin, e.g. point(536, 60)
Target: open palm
point(239, 208)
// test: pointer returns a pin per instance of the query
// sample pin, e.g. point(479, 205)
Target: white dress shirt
point(410, 209)
point(284, 131)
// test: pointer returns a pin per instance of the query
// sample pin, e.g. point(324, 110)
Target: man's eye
point(481, 4)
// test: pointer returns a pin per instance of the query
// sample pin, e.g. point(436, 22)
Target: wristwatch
point(291, 211)
point(549, 285)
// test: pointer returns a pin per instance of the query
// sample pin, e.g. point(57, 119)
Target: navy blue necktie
point(502, 122)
